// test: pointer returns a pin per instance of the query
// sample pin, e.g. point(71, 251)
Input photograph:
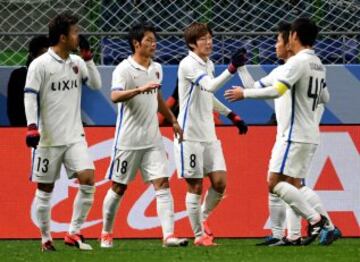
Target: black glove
point(85, 51)
point(238, 59)
point(238, 122)
point(32, 136)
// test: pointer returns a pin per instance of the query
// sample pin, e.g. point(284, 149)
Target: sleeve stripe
point(117, 89)
point(199, 78)
point(30, 90)
point(261, 83)
point(281, 87)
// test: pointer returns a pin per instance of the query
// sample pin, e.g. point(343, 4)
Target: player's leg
point(154, 170)
point(288, 158)
point(79, 165)
point(121, 171)
point(189, 163)
point(215, 169)
point(45, 170)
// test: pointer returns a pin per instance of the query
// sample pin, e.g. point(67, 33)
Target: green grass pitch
point(146, 250)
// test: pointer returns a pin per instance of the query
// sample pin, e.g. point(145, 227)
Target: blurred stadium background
point(235, 23)
point(252, 24)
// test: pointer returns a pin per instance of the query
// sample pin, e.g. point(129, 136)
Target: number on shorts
point(122, 167)
point(44, 164)
point(192, 160)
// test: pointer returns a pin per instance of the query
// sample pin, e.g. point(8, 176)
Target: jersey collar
point(133, 63)
point(307, 51)
point(197, 58)
point(58, 58)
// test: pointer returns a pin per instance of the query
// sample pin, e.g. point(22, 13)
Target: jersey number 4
point(314, 90)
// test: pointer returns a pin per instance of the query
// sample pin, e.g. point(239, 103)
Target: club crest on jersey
point(75, 69)
point(157, 74)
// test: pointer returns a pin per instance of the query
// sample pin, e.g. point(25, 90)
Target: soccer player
point(138, 143)
point(279, 212)
point(55, 131)
point(299, 86)
point(200, 154)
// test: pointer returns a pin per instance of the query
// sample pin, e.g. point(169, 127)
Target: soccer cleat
point(326, 237)
point(106, 240)
point(337, 233)
point(207, 230)
point(268, 241)
point(172, 241)
point(287, 242)
point(205, 241)
point(76, 240)
point(47, 246)
point(314, 230)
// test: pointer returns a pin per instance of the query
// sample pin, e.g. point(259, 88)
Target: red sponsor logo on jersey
point(75, 69)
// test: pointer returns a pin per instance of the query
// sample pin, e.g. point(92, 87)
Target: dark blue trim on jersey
point(30, 90)
point(183, 127)
point(261, 84)
point(303, 182)
point(117, 89)
point(290, 131)
point(84, 80)
point(120, 118)
point(198, 79)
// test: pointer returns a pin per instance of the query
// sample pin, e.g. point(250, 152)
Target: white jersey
point(196, 104)
point(58, 85)
point(282, 104)
point(304, 75)
point(137, 125)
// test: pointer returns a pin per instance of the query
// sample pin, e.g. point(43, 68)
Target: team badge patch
point(75, 69)
point(157, 75)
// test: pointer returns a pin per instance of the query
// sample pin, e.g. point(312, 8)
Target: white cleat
point(106, 240)
point(172, 241)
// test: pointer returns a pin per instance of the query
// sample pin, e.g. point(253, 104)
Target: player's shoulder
point(157, 65)
point(41, 62)
point(123, 65)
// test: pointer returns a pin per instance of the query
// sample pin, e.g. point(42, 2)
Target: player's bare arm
point(166, 112)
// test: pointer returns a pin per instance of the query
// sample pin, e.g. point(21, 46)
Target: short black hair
point(60, 25)
point(306, 30)
point(36, 45)
point(284, 29)
point(137, 32)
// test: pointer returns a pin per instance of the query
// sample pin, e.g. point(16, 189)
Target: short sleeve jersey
point(195, 103)
point(137, 125)
point(304, 75)
point(57, 83)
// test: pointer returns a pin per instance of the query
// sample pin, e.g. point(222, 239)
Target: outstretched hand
point(234, 94)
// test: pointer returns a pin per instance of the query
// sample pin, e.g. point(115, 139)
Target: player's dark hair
point(60, 25)
point(284, 29)
point(36, 45)
point(306, 31)
point(137, 32)
point(195, 31)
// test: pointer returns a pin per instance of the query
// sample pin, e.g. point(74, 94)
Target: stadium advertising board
point(334, 175)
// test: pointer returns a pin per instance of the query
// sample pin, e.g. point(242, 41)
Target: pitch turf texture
point(145, 250)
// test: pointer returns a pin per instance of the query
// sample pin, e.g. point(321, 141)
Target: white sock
point(82, 204)
point(314, 200)
point(277, 211)
point(42, 207)
point(109, 210)
point(212, 199)
point(165, 211)
point(292, 196)
point(192, 202)
point(293, 224)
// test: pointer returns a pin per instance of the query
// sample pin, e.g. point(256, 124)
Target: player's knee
point(48, 188)
point(161, 183)
point(194, 186)
point(86, 177)
point(219, 186)
point(119, 188)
